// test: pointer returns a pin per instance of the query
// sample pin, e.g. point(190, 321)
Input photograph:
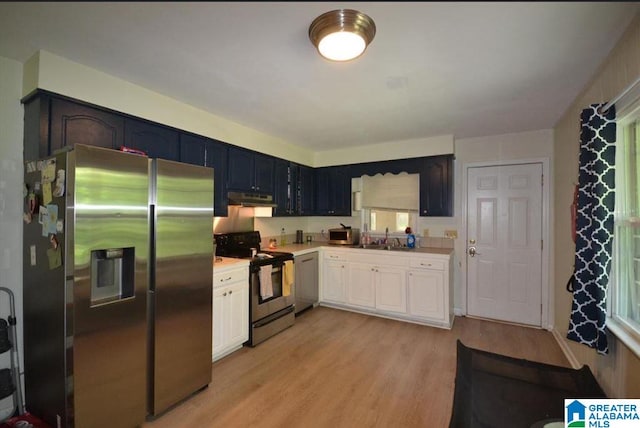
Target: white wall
point(498, 149)
point(619, 371)
point(47, 71)
point(386, 151)
point(11, 184)
point(56, 74)
point(310, 225)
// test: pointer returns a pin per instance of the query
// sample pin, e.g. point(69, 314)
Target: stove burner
point(264, 256)
point(241, 245)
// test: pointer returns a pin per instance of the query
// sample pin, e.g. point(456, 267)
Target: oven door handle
point(274, 269)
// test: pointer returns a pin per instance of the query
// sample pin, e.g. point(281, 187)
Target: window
point(395, 220)
point(625, 287)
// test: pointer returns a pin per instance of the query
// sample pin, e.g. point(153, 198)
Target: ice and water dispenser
point(112, 275)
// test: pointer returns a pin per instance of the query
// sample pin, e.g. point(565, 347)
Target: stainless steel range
point(271, 299)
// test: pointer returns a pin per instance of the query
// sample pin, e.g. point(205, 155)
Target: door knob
point(472, 251)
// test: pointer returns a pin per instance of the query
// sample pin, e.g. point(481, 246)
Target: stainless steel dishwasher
point(306, 281)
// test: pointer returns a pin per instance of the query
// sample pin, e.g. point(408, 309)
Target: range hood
point(244, 199)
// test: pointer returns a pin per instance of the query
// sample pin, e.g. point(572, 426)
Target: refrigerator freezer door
point(181, 298)
point(109, 191)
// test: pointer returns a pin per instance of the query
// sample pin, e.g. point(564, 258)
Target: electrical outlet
point(425, 233)
point(452, 234)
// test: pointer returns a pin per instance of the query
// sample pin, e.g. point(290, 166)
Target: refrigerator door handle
point(152, 247)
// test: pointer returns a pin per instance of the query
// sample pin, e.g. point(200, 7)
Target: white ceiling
point(467, 69)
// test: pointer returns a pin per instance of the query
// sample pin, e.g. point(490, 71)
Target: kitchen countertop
point(225, 263)
point(300, 249)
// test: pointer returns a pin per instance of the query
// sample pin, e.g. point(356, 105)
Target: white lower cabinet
point(391, 289)
point(361, 289)
point(415, 287)
point(426, 289)
point(230, 311)
point(335, 280)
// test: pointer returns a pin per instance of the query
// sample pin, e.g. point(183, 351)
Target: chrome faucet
point(386, 235)
point(398, 243)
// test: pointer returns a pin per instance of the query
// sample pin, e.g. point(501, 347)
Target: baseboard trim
point(565, 349)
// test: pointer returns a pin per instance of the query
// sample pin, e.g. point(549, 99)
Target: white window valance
point(391, 191)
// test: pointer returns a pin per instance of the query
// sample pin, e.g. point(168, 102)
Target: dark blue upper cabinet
point(263, 172)
point(285, 186)
point(250, 171)
point(211, 153)
point(73, 123)
point(294, 189)
point(305, 198)
point(240, 170)
point(155, 140)
point(333, 191)
point(395, 166)
point(217, 154)
point(193, 149)
point(323, 192)
point(436, 186)
point(341, 180)
point(436, 180)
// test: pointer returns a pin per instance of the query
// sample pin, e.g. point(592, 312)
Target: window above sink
point(379, 219)
point(390, 202)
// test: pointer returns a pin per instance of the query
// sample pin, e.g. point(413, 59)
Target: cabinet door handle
point(224, 294)
point(230, 291)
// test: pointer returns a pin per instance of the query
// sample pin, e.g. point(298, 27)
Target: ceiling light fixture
point(342, 35)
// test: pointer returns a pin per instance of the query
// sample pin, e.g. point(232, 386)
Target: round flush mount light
point(342, 35)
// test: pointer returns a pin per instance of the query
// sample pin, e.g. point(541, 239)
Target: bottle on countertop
point(411, 238)
point(365, 235)
point(283, 238)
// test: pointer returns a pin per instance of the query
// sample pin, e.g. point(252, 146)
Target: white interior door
point(504, 243)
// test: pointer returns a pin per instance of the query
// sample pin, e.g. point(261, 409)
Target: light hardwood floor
point(339, 369)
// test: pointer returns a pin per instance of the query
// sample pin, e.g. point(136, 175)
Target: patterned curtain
point(594, 227)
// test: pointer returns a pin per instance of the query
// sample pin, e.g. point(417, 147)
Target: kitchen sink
point(383, 247)
point(372, 246)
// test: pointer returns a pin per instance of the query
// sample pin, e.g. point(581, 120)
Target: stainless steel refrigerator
point(117, 319)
